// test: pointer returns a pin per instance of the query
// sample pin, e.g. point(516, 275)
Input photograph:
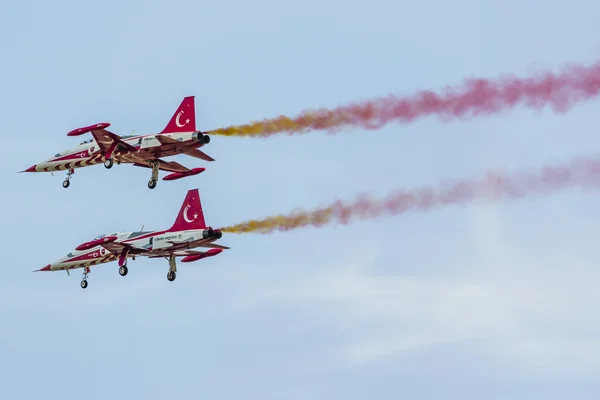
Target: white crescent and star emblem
point(179, 124)
point(185, 215)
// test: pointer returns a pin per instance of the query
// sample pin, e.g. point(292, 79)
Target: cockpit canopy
point(86, 141)
point(105, 235)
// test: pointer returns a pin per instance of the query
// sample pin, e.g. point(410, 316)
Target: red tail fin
point(184, 119)
point(190, 215)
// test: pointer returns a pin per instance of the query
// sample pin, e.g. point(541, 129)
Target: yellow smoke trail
point(294, 220)
point(576, 83)
point(494, 186)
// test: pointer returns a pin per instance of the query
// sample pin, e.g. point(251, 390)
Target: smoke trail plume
point(494, 186)
point(475, 97)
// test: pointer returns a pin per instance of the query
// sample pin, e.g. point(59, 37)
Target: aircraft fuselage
point(88, 153)
point(142, 243)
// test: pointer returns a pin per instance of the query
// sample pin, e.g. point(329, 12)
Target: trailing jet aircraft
point(179, 137)
point(189, 231)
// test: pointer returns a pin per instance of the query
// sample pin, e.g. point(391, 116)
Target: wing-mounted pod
point(179, 175)
point(89, 128)
point(196, 257)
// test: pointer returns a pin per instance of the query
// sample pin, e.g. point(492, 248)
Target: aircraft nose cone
point(31, 169)
point(46, 268)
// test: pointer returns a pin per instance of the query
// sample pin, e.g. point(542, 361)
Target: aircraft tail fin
point(190, 215)
point(184, 119)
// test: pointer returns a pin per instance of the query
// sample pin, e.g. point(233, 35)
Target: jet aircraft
point(189, 231)
point(178, 137)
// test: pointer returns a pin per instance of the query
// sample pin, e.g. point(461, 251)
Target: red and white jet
point(179, 137)
point(189, 231)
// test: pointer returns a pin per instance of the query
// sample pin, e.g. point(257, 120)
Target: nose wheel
point(67, 182)
point(84, 282)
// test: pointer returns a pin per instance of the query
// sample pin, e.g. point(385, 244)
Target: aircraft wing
point(117, 248)
point(114, 247)
point(171, 166)
point(108, 141)
point(182, 253)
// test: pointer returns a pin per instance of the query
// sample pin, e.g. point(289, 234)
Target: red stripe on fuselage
point(74, 156)
point(87, 256)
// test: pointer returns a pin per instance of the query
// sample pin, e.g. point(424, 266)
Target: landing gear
point(84, 282)
point(154, 179)
point(108, 163)
point(206, 139)
point(66, 182)
point(123, 262)
point(172, 274)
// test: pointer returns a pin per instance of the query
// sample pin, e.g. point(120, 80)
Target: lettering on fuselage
point(166, 238)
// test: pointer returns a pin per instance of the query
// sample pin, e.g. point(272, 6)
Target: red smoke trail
point(476, 97)
point(496, 185)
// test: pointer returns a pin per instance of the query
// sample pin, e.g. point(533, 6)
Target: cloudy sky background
point(488, 301)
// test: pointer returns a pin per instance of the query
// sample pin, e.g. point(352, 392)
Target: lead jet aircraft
point(179, 137)
point(189, 231)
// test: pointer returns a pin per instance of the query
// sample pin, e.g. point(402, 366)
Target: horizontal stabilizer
point(198, 154)
point(214, 246)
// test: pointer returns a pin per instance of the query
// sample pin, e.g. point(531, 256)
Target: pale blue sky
point(489, 302)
